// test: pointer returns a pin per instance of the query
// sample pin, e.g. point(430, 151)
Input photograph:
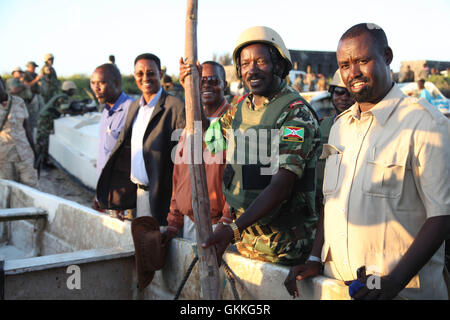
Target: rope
point(230, 276)
point(185, 278)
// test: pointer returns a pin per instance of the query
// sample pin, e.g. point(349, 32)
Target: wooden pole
point(208, 267)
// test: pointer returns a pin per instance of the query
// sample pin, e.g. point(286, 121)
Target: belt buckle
point(143, 187)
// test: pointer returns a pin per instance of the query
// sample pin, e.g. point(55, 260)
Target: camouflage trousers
point(282, 247)
point(19, 170)
point(36, 104)
point(44, 129)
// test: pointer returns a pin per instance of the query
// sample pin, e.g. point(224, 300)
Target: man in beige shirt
point(386, 185)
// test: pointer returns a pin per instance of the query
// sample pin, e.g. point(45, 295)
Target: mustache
point(255, 77)
point(358, 79)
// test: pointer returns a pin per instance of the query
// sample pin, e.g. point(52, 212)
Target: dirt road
point(55, 181)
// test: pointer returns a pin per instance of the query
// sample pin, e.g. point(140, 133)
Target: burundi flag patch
point(293, 134)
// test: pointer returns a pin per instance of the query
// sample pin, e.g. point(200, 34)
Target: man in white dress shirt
point(139, 172)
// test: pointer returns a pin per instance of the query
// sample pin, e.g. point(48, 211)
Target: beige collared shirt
point(387, 171)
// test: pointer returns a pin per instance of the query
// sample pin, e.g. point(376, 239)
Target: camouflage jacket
point(52, 110)
point(267, 240)
point(50, 82)
point(14, 84)
point(13, 136)
point(30, 76)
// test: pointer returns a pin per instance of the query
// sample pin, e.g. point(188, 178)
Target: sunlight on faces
point(147, 76)
point(104, 88)
point(257, 69)
point(212, 87)
point(364, 69)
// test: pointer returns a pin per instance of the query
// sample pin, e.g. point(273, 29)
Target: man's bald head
point(111, 72)
point(106, 83)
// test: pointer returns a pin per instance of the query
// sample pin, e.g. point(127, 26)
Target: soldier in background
point(58, 105)
point(408, 76)
point(112, 59)
point(31, 80)
point(341, 101)
point(168, 85)
point(50, 83)
point(15, 85)
point(299, 83)
point(16, 144)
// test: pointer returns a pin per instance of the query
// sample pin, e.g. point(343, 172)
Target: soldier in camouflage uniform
point(50, 82)
point(16, 145)
point(275, 210)
point(32, 80)
point(16, 87)
point(53, 109)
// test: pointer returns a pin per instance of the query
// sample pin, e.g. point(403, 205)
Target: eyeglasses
point(212, 81)
point(340, 91)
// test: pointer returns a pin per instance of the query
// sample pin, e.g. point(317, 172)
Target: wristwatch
point(316, 259)
point(236, 233)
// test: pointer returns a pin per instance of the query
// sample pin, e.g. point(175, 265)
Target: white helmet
point(67, 85)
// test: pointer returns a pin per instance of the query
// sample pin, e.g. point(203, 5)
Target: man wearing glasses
point(181, 215)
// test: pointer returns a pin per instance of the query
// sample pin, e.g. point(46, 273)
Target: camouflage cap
point(32, 63)
point(67, 85)
point(48, 56)
point(337, 81)
point(19, 69)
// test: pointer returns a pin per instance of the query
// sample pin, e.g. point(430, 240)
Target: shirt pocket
point(332, 168)
point(384, 172)
point(111, 140)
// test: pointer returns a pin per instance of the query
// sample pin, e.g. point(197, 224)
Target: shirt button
point(342, 235)
point(343, 210)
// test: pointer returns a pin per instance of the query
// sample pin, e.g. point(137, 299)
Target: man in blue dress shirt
point(106, 83)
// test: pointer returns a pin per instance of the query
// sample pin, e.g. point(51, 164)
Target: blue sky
point(82, 34)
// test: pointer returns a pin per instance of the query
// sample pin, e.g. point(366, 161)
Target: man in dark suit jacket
point(138, 173)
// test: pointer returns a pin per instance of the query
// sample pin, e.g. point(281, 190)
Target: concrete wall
point(103, 249)
point(74, 146)
point(323, 62)
point(70, 226)
point(102, 274)
point(260, 281)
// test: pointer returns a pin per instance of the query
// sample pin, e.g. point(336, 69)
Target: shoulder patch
point(296, 103)
point(242, 98)
point(293, 134)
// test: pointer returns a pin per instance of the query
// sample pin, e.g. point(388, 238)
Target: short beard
point(364, 95)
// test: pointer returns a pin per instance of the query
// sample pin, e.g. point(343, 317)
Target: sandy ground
point(55, 181)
